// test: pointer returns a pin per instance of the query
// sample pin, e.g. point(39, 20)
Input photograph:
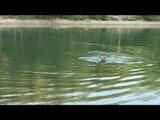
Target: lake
point(52, 66)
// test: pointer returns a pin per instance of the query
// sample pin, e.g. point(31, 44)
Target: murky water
point(63, 66)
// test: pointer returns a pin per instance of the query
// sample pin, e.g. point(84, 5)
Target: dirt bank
point(61, 23)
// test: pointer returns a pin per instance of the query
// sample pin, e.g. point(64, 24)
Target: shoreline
point(62, 23)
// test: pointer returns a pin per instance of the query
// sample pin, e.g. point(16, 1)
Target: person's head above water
point(102, 59)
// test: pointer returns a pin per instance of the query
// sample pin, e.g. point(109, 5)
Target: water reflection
point(61, 66)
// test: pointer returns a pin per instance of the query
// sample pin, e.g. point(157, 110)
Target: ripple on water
point(85, 83)
point(111, 57)
point(107, 93)
point(132, 77)
point(92, 86)
point(15, 95)
point(127, 83)
point(101, 78)
point(136, 69)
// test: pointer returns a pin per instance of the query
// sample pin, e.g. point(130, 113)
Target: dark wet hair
point(102, 59)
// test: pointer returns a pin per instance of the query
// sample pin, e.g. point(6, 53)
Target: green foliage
point(92, 17)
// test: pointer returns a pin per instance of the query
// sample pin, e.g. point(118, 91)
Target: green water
point(43, 66)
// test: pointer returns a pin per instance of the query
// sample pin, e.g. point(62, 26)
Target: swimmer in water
point(102, 59)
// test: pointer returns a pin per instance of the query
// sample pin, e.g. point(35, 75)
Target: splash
point(110, 57)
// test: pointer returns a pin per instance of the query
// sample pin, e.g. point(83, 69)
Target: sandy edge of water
point(61, 23)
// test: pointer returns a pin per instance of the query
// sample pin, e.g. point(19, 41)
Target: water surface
point(62, 66)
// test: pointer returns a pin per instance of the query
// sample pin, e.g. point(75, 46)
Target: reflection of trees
point(119, 41)
point(3, 58)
